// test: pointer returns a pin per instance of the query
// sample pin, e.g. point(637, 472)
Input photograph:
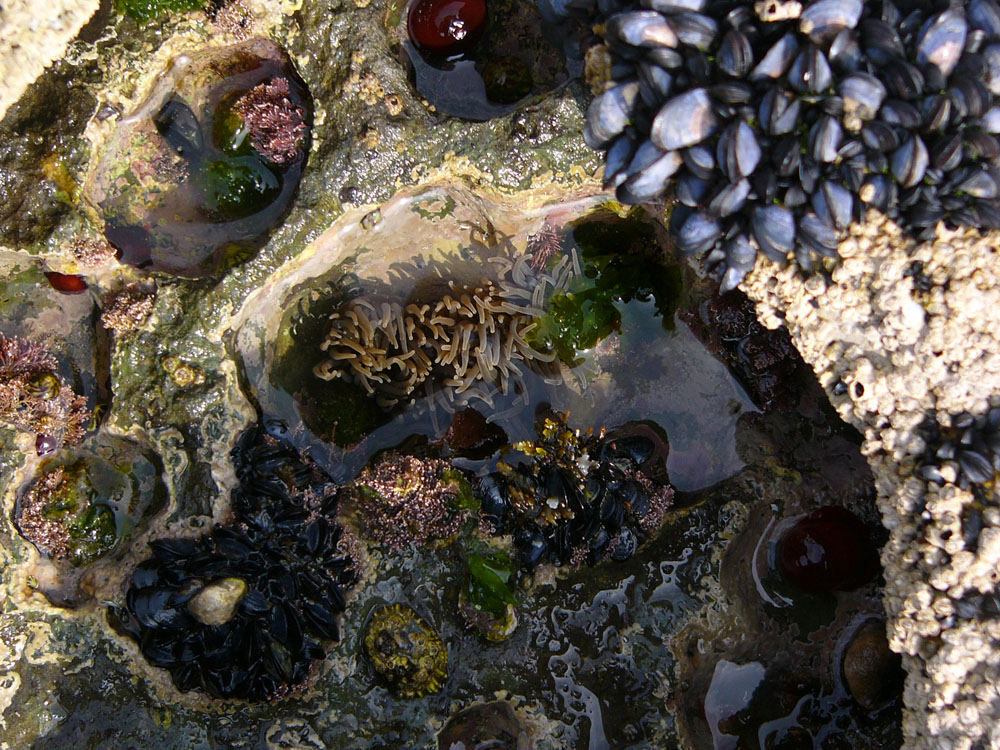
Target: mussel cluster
point(577, 498)
point(966, 453)
point(239, 612)
point(778, 123)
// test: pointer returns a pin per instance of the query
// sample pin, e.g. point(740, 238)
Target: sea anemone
point(239, 612)
point(764, 360)
point(459, 340)
point(405, 651)
point(826, 550)
point(777, 128)
point(577, 498)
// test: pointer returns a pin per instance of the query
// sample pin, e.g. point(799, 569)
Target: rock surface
point(901, 329)
point(32, 36)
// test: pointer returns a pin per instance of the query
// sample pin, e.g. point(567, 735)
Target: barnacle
point(405, 651)
point(239, 612)
point(777, 131)
point(460, 339)
point(578, 496)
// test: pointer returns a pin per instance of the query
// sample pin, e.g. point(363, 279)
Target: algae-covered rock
point(197, 175)
point(406, 652)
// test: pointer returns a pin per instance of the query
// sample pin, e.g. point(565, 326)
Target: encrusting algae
point(34, 399)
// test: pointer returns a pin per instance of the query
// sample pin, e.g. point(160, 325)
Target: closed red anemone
point(827, 550)
point(66, 283)
point(446, 27)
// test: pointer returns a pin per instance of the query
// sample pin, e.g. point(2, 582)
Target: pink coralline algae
point(34, 399)
point(404, 499)
point(276, 124)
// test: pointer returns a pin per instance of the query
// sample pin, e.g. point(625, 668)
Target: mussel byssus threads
point(777, 130)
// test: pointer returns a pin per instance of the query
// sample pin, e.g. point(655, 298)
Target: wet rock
point(491, 725)
point(216, 603)
point(37, 142)
point(471, 436)
point(872, 672)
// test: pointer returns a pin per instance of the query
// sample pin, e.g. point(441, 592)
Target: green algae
point(622, 261)
point(238, 187)
point(145, 10)
point(488, 586)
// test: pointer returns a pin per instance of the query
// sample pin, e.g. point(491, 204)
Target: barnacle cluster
point(239, 612)
point(965, 453)
point(578, 497)
point(406, 499)
point(778, 123)
point(459, 341)
point(34, 399)
point(405, 651)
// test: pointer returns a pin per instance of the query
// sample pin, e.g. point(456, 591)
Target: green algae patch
point(622, 261)
point(145, 10)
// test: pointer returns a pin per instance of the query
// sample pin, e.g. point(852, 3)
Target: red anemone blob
point(45, 444)
point(446, 27)
point(66, 283)
point(827, 550)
